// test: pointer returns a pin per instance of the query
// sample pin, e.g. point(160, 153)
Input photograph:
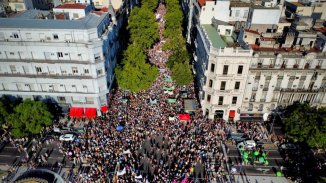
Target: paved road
point(9, 155)
point(274, 158)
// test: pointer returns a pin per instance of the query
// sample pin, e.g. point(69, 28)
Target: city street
point(273, 156)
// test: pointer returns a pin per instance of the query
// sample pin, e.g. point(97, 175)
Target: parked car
point(67, 137)
point(288, 148)
point(247, 144)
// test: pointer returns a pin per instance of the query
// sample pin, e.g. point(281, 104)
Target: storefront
point(251, 117)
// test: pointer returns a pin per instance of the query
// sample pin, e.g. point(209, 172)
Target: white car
point(67, 137)
point(248, 144)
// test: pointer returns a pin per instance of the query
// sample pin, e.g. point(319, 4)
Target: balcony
point(47, 75)
point(286, 90)
point(252, 100)
point(277, 88)
point(265, 89)
point(254, 88)
point(262, 100)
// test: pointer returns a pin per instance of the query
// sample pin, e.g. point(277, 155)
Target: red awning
point(90, 112)
point(104, 108)
point(76, 112)
point(184, 117)
point(231, 114)
point(72, 112)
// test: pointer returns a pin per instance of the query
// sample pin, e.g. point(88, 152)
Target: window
point(240, 69)
point(212, 9)
point(74, 86)
point(237, 85)
point(227, 32)
point(60, 54)
point(38, 69)
point(208, 98)
point(210, 83)
point(237, 13)
point(251, 106)
point(55, 36)
point(12, 53)
point(15, 35)
point(253, 97)
point(100, 71)
point(61, 99)
point(225, 69)
point(212, 67)
point(13, 68)
point(74, 70)
point(234, 100)
point(261, 107)
point(220, 100)
point(86, 71)
point(223, 83)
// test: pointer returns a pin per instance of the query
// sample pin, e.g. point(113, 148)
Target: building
point(261, 56)
point(20, 5)
point(69, 62)
point(221, 66)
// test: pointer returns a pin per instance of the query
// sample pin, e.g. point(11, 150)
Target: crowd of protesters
point(152, 146)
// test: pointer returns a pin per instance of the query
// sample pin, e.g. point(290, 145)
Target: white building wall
point(217, 9)
point(239, 14)
point(56, 64)
point(73, 13)
point(265, 16)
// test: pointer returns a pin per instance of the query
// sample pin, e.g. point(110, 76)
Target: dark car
point(288, 148)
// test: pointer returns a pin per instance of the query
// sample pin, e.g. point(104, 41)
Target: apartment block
point(262, 55)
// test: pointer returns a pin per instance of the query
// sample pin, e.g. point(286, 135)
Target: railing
point(47, 75)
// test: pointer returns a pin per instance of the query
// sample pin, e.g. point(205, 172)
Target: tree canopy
point(181, 73)
point(149, 4)
point(143, 27)
point(304, 123)
point(179, 60)
point(28, 118)
point(134, 73)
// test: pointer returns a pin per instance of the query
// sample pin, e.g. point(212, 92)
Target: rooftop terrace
point(214, 37)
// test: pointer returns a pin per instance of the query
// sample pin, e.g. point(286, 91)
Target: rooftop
point(239, 4)
point(214, 36)
point(72, 6)
point(30, 21)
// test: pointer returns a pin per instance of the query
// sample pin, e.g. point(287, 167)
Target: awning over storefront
point(76, 112)
point(104, 108)
point(90, 112)
point(251, 117)
point(184, 117)
point(232, 114)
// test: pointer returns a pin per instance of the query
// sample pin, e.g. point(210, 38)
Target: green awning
point(168, 88)
point(172, 100)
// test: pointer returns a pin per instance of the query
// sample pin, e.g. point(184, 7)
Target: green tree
point(306, 124)
point(28, 118)
point(143, 28)
point(134, 73)
point(150, 4)
point(181, 73)
point(3, 113)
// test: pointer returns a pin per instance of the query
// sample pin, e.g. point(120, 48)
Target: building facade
point(69, 62)
point(259, 58)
